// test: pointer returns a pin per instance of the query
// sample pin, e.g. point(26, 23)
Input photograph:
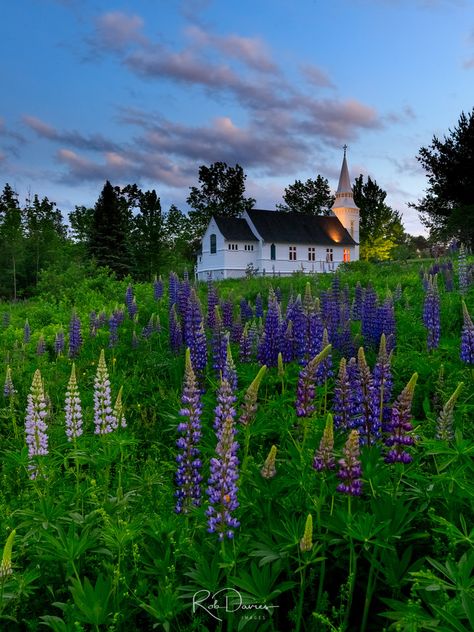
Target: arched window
point(213, 244)
point(273, 252)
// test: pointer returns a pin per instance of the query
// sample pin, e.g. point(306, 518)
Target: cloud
point(116, 31)
point(251, 51)
point(93, 142)
point(316, 76)
point(332, 119)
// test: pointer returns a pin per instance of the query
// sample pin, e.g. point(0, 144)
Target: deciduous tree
point(312, 197)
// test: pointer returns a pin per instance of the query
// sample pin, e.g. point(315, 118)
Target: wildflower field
point(263, 454)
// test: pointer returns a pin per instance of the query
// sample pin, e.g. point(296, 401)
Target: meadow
point(261, 454)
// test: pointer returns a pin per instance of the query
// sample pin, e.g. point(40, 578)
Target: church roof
point(344, 195)
point(297, 228)
point(234, 229)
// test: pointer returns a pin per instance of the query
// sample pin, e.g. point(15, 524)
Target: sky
point(146, 91)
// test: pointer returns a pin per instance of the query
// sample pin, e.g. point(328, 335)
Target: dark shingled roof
point(296, 228)
point(235, 229)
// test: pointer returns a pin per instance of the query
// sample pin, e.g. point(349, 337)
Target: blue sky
point(146, 91)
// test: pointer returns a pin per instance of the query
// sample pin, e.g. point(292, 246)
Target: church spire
point(344, 196)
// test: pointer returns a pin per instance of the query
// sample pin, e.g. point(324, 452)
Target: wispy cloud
point(116, 31)
point(93, 142)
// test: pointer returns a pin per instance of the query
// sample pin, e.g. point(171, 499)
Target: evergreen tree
point(147, 235)
point(312, 197)
point(12, 243)
point(448, 206)
point(110, 231)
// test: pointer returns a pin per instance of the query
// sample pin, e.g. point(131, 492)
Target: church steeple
point(344, 207)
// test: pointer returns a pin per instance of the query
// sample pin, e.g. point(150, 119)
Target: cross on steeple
point(345, 149)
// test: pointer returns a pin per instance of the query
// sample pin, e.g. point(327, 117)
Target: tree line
point(128, 231)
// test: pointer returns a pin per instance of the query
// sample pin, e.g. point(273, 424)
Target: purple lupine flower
point(315, 331)
point(369, 317)
point(444, 422)
point(382, 384)
point(75, 336)
point(467, 337)
point(368, 422)
point(188, 476)
point(173, 289)
point(194, 336)
point(269, 343)
point(229, 372)
point(305, 391)
point(26, 332)
point(342, 398)
point(236, 331)
point(431, 314)
point(73, 408)
point(300, 330)
point(8, 388)
point(246, 312)
point(245, 346)
point(184, 292)
point(176, 334)
point(463, 276)
point(35, 423)
point(158, 288)
point(41, 346)
point(356, 404)
point(222, 485)
point(227, 313)
point(218, 343)
point(259, 306)
point(358, 303)
point(130, 302)
point(249, 406)
point(59, 342)
point(324, 456)
point(344, 335)
point(350, 470)
point(399, 427)
point(386, 323)
point(148, 330)
point(104, 419)
point(288, 343)
point(212, 303)
point(113, 329)
point(324, 370)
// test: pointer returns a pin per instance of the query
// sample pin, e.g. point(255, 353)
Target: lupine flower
point(118, 410)
point(400, 425)
point(315, 331)
point(288, 343)
point(222, 486)
point(367, 420)
point(229, 372)
point(249, 406)
point(147, 331)
point(306, 542)
point(184, 292)
point(280, 366)
point(300, 327)
point(350, 470)
point(6, 564)
point(236, 330)
point(324, 370)
point(26, 332)
point(194, 336)
point(269, 470)
point(246, 312)
point(308, 301)
point(382, 383)
point(130, 302)
point(113, 330)
point(463, 271)
point(41, 346)
point(386, 322)
point(444, 423)
point(104, 419)
point(35, 422)
point(227, 313)
point(342, 400)
point(358, 302)
point(259, 306)
point(306, 385)
point(269, 343)
point(324, 457)
point(59, 342)
point(431, 314)
point(75, 337)
point(467, 337)
point(176, 334)
point(157, 288)
point(369, 317)
point(245, 346)
point(73, 408)
point(188, 476)
point(173, 289)
point(212, 303)
point(8, 388)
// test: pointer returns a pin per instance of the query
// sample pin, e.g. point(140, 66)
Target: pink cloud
point(116, 30)
point(316, 76)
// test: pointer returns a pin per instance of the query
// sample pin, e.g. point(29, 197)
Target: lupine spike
point(118, 410)
point(6, 565)
point(269, 470)
point(281, 366)
point(8, 388)
point(444, 423)
point(35, 422)
point(249, 406)
point(324, 457)
point(306, 542)
point(400, 425)
point(104, 418)
point(467, 337)
point(73, 408)
point(306, 384)
point(350, 470)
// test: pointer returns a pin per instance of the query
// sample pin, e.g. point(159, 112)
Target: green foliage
point(312, 197)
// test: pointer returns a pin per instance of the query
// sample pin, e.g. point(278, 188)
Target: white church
point(279, 243)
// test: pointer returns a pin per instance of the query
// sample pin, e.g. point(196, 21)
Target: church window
point(311, 253)
point(329, 255)
point(273, 252)
point(213, 243)
point(347, 255)
point(292, 253)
